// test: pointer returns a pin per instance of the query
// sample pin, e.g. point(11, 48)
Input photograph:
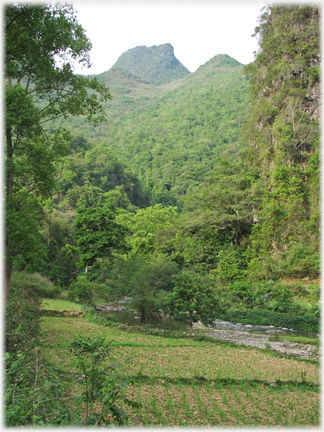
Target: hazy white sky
point(197, 29)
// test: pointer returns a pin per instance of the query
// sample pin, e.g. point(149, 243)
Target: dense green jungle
point(195, 195)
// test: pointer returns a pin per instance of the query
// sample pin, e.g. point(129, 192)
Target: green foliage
point(31, 58)
point(170, 135)
point(125, 270)
point(144, 224)
point(283, 299)
point(271, 295)
point(281, 139)
point(149, 283)
point(24, 215)
point(88, 292)
point(192, 298)
point(59, 264)
point(107, 320)
point(225, 202)
point(43, 286)
point(97, 233)
point(172, 180)
point(22, 313)
point(31, 383)
point(101, 384)
point(91, 171)
point(231, 265)
point(300, 260)
point(40, 45)
point(265, 317)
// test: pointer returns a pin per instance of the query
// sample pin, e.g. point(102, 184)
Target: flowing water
point(220, 324)
point(133, 318)
point(167, 323)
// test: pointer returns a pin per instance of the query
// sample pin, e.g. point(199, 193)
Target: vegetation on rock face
point(281, 142)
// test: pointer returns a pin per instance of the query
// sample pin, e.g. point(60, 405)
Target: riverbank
point(240, 334)
point(262, 341)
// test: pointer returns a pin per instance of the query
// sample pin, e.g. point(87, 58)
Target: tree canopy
point(42, 43)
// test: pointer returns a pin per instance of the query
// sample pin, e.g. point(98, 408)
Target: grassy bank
point(297, 339)
point(60, 305)
point(185, 382)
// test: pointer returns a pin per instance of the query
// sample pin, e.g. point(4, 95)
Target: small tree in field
point(102, 387)
point(192, 298)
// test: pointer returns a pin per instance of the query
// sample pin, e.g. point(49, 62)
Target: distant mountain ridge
point(156, 64)
point(170, 135)
point(221, 61)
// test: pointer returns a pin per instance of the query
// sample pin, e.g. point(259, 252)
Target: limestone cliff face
point(282, 138)
point(156, 64)
point(285, 78)
point(312, 102)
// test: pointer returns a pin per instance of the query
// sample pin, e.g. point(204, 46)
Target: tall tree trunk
point(8, 274)
point(143, 317)
point(9, 167)
point(9, 188)
point(191, 321)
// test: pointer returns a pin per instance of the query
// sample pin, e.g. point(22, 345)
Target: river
point(167, 323)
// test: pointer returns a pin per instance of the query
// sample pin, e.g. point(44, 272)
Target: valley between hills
point(181, 201)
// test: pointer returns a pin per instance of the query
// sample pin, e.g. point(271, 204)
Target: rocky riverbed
point(262, 341)
point(110, 308)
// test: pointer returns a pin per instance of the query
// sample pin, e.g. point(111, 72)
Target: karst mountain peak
point(156, 64)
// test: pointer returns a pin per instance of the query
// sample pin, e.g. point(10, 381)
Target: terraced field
point(184, 382)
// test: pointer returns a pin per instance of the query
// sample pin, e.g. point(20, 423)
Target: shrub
point(127, 273)
point(84, 291)
point(30, 379)
point(39, 283)
point(243, 291)
point(307, 309)
point(265, 317)
point(300, 260)
point(22, 314)
point(282, 299)
point(192, 298)
point(107, 320)
point(81, 290)
point(231, 265)
point(101, 384)
point(150, 281)
point(31, 382)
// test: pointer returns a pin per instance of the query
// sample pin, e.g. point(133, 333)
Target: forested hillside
point(170, 135)
point(214, 173)
point(156, 64)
